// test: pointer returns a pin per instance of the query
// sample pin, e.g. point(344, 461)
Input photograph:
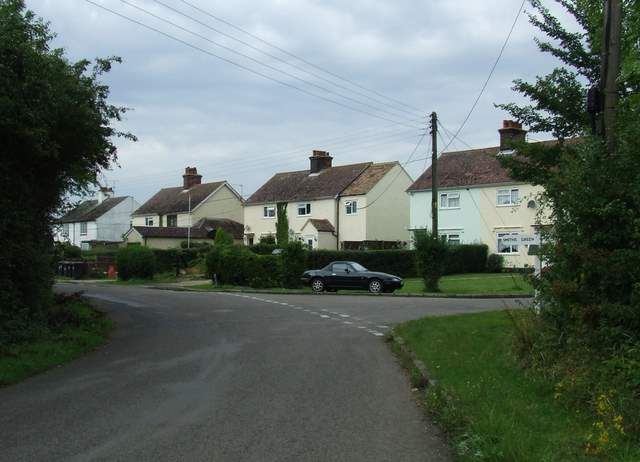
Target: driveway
point(221, 377)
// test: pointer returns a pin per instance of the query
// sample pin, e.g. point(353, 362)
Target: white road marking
point(324, 316)
point(345, 315)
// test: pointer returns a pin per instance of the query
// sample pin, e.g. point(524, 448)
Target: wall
point(117, 221)
point(74, 236)
point(223, 204)
point(353, 227)
point(388, 218)
point(140, 220)
point(160, 242)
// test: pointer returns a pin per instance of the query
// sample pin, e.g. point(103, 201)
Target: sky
point(386, 64)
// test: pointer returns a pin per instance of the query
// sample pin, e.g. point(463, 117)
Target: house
point(105, 219)
point(479, 201)
point(348, 206)
point(191, 212)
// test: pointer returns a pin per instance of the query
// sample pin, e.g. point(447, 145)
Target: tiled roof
point(368, 179)
point(171, 232)
point(175, 200)
point(231, 227)
point(323, 226)
point(90, 210)
point(333, 181)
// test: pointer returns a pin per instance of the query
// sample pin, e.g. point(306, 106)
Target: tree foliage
point(282, 224)
point(56, 134)
point(431, 254)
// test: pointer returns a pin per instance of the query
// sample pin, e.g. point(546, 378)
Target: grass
point(80, 329)
point(492, 408)
point(466, 284)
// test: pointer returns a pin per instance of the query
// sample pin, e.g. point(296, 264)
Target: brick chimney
point(104, 193)
point(511, 133)
point(191, 177)
point(319, 161)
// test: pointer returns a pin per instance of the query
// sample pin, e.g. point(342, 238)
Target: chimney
point(191, 177)
point(104, 193)
point(319, 161)
point(511, 133)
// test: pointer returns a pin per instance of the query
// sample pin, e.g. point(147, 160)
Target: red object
point(111, 272)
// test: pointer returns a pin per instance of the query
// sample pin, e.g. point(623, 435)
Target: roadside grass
point(491, 408)
point(465, 284)
point(79, 328)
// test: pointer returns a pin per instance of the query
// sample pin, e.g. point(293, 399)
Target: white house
point(478, 200)
point(193, 211)
point(347, 206)
point(105, 219)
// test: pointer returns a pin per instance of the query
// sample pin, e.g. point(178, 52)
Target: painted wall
point(387, 218)
point(73, 236)
point(353, 227)
point(117, 221)
point(159, 242)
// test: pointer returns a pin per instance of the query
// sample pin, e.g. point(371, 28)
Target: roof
point(368, 179)
point(328, 183)
point(323, 226)
point(231, 227)
point(90, 210)
point(175, 200)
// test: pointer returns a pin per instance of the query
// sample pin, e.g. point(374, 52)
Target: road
point(219, 377)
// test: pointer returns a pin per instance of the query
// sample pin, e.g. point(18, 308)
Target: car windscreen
point(358, 267)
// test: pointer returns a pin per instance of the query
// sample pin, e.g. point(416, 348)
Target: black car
point(340, 275)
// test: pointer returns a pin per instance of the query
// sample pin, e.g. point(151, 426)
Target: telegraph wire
point(241, 66)
point(292, 55)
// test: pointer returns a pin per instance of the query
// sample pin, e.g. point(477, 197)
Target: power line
point(234, 63)
point(292, 55)
point(450, 135)
point(277, 58)
point(486, 82)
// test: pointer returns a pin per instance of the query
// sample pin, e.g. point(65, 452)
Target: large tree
point(56, 134)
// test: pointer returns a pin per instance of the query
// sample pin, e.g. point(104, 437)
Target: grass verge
point(75, 328)
point(491, 408)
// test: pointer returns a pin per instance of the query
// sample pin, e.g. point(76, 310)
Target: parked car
point(339, 275)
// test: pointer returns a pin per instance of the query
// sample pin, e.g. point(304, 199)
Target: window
point(304, 209)
point(450, 200)
point(507, 242)
point(340, 268)
point(172, 221)
point(451, 238)
point(310, 243)
point(83, 228)
point(65, 230)
point(508, 196)
point(148, 221)
point(269, 211)
point(351, 207)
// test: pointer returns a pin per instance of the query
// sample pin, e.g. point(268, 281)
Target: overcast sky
point(192, 109)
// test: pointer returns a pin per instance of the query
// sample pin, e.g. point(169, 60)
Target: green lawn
point(84, 330)
point(476, 283)
point(491, 408)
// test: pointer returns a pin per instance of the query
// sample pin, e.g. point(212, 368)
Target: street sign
point(529, 239)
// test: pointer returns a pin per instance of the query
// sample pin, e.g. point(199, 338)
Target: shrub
point(495, 263)
point(222, 238)
point(265, 271)
point(136, 262)
point(65, 251)
point(237, 265)
point(294, 259)
point(430, 255)
point(466, 258)
point(268, 239)
point(263, 248)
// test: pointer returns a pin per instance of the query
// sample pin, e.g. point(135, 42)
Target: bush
point(495, 263)
point(430, 255)
point(265, 271)
point(466, 258)
point(237, 265)
point(136, 262)
point(171, 260)
point(294, 259)
point(268, 239)
point(222, 238)
point(65, 251)
point(263, 248)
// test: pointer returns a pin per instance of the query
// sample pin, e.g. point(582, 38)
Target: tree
point(431, 253)
point(282, 224)
point(56, 134)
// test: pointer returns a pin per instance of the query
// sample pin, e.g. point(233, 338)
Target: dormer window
point(304, 209)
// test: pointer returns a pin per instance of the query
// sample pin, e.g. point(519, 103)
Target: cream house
point(478, 201)
point(191, 211)
point(348, 206)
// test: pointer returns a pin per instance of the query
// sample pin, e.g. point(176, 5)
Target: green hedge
point(167, 259)
point(466, 258)
point(136, 262)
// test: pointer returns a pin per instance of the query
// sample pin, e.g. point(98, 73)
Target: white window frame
point(351, 207)
point(84, 229)
point(307, 209)
point(148, 221)
point(508, 193)
point(447, 197)
point(514, 249)
point(453, 237)
point(266, 211)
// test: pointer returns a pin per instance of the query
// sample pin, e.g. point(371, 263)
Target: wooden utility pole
point(434, 175)
point(610, 68)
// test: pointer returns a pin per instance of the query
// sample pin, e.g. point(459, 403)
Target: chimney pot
point(191, 177)
point(320, 160)
point(511, 133)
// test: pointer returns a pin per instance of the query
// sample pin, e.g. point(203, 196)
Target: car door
point(355, 279)
point(338, 278)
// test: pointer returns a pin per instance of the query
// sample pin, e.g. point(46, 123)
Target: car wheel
point(375, 286)
point(317, 285)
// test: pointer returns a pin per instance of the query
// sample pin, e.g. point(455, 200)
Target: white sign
point(529, 239)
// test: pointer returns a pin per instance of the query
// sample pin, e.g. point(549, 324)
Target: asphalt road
point(220, 377)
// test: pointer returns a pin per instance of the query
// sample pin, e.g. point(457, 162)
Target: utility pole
point(610, 68)
point(434, 174)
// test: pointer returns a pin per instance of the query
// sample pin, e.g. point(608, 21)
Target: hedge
point(136, 262)
point(167, 259)
point(466, 258)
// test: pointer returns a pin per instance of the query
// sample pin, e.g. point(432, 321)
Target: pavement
point(194, 376)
